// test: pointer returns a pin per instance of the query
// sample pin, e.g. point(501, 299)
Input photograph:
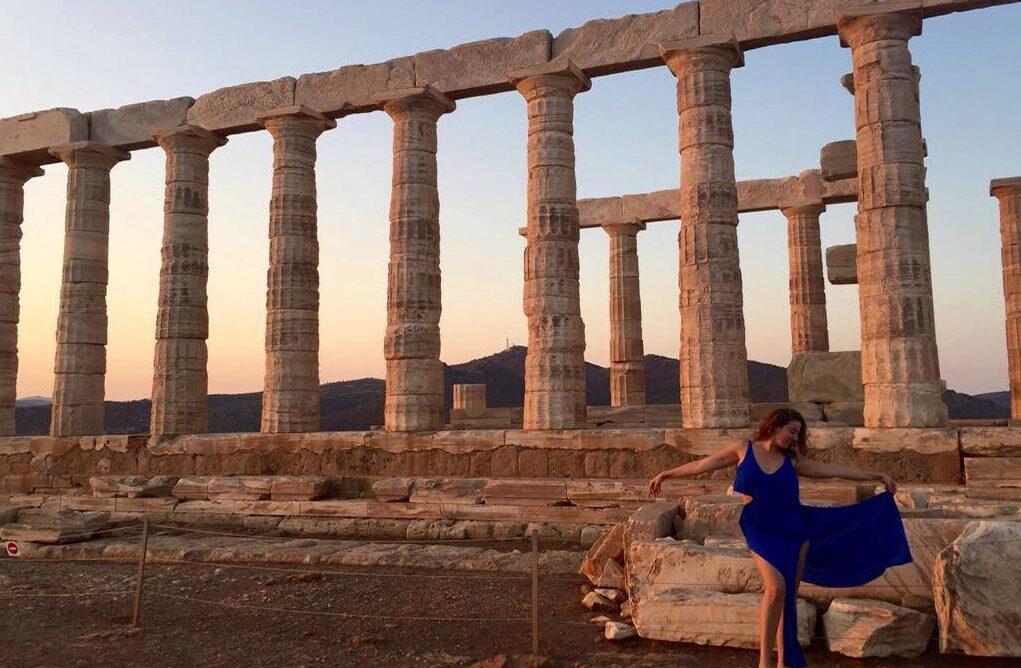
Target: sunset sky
point(787, 103)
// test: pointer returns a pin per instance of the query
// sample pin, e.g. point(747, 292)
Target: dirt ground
point(41, 625)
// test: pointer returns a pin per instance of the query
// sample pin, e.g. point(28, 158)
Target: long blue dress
point(847, 545)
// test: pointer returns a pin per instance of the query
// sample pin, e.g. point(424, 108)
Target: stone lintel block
point(353, 88)
point(561, 67)
point(299, 110)
point(608, 46)
point(132, 126)
point(651, 206)
point(237, 108)
point(1010, 186)
point(30, 136)
point(941, 7)
point(896, 440)
point(480, 68)
point(842, 264)
point(599, 211)
point(840, 192)
point(766, 194)
point(839, 160)
point(770, 21)
point(724, 42)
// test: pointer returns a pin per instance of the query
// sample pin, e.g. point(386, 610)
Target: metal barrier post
point(137, 609)
point(535, 592)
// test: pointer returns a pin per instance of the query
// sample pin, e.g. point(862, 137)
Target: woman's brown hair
point(777, 418)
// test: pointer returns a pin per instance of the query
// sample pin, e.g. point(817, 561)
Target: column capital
point(896, 19)
point(298, 114)
point(802, 207)
point(188, 137)
point(422, 99)
point(631, 228)
point(678, 55)
point(559, 76)
point(16, 169)
point(89, 154)
point(1010, 187)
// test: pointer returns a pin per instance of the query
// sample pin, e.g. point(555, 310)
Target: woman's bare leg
point(797, 585)
point(773, 590)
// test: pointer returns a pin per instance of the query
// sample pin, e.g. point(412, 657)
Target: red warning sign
point(12, 548)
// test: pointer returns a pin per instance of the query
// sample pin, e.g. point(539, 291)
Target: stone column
point(627, 354)
point(80, 364)
point(180, 381)
point(713, 358)
point(414, 373)
point(13, 175)
point(555, 363)
point(900, 364)
point(1008, 192)
point(290, 397)
point(807, 287)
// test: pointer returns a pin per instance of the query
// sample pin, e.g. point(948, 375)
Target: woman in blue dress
point(844, 546)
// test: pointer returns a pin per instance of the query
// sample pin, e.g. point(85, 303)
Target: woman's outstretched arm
point(722, 459)
point(814, 469)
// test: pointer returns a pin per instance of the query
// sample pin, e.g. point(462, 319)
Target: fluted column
point(290, 398)
point(555, 363)
point(180, 380)
point(627, 353)
point(900, 363)
point(414, 373)
point(807, 287)
point(713, 357)
point(1008, 192)
point(80, 361)
point(13, 175)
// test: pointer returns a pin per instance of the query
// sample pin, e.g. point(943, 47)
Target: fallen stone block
point(43, 534)
point(191, 488)
point(607, 493)
point(709, 618)
point(977, 586)
point(863, 628)
point(526, 492)
point(393, 489)
point(299, 488)
point(244, 488)
point(610, 546)
point(711, 515)
point(448, 490)
point(651, 521)
point(619, 631)
point(132, 486)
point(598, 603)
point(612, 576)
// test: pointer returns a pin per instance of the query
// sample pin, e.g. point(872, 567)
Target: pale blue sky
point(787, 104)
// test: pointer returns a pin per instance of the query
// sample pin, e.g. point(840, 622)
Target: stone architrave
point(900, 362)
point(713, 357)
point(807, 287)
point(180, 380)
point(80, 361)
point(13, 175)
point(414, 373)
point(290, 398)
point(555, 363)
point(1008, 193)
point(627, 353)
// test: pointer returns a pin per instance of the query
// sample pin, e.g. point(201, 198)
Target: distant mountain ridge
point(358, 404)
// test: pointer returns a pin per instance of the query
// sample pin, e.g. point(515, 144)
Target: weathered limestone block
point(990, 441)
point(839, 160)
point(1008, 194)
point(922, 441)
point(850, 413)
point(900, 361)
point(993, 471)
point(612, 576)
point(470, 398)
point(448, 490)
point(13, 175)
point(30, 136)
point(825, 377)
point(180, 380)
point(81, 322)
point(711, 515)
point(651, 521)
point(290, 401)
point(132, 486)
point(627, 352)
point(842, 264)
point(132, 126)
point(609, 547)
point(605, 46)
point(240, 488)
point(480, 68)
point(191, 487)
point(807, 290)
point(414, 373)
point(977, 584)
point(526, 492)
point(238, 108)
point(393, 489)
point(298, 488)
point(709, 618)
point(555, 363)
point(353, 87)
point(863, 628)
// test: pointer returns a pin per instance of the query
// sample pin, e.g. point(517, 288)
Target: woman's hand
point(888, 483)
point(656, 483)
